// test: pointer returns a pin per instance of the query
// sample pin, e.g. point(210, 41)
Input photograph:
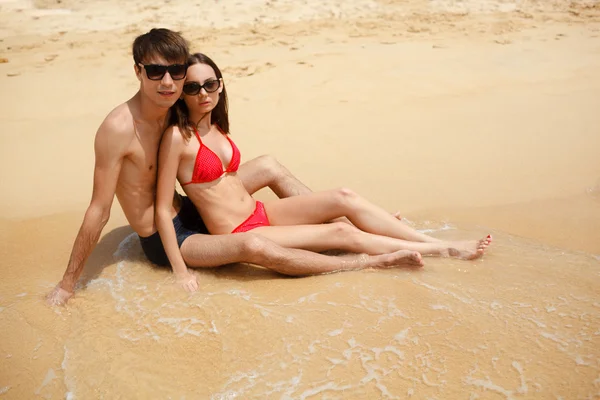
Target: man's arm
point(109, 146)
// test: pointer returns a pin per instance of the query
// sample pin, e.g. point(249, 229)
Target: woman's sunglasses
point(156, 72)
point(193, 88)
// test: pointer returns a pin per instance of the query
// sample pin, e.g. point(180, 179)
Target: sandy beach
point(469, 117)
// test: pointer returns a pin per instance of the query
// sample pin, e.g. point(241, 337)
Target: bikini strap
point(197, 136)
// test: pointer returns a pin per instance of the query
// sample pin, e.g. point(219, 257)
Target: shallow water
point(523, 322)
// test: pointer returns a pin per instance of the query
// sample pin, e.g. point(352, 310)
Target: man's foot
point(469, 249)
point(400, 257)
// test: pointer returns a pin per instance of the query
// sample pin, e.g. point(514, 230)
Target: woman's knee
point(345, 197)
point(347, 235)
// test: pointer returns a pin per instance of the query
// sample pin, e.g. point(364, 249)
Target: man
point(126, 147)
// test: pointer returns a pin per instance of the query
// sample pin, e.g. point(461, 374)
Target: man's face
point(161, 90)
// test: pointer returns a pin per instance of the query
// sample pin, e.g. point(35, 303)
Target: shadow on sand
point(103, 254)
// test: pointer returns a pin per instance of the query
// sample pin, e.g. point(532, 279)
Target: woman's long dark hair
point(219, 116)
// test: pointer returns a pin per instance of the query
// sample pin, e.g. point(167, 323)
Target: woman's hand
point(188, 281)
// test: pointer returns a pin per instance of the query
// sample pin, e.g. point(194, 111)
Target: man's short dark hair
point(160, 42)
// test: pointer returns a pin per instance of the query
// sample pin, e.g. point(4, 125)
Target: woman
point(197, 151)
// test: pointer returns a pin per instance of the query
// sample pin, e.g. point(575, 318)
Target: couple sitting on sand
point(176, 127)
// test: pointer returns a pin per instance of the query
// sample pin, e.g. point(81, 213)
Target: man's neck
point(148, 111)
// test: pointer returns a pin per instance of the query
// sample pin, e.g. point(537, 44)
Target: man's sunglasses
point(193, 88)
point(156, 72)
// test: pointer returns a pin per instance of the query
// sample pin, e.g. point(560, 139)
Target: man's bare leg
point(266, 171)
point(214, 250)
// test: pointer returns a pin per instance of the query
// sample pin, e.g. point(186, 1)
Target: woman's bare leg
point(215, 250)
point(324, 206)
point(342, 236)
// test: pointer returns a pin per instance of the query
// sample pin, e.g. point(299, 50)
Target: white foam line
point(68, 382)
point(554, 338)
point(329, 386)
point(311, 346)
point(522, 305)
point(445, 227)
point(402, 336)
point(250, 377)
point(290, 386)
point(310, 298)
point(182, 330)
point(428, 383)
point(523, 388)
point(535, 321)
point(213, 327)
point(373, 376)
point(266, 312)
point(239, 293)
point(440, 307)
point(50, 375)
point(579, 298)
point(446, 292)
point(488, 384)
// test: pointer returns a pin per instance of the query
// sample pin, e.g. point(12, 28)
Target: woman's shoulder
point(174, 135)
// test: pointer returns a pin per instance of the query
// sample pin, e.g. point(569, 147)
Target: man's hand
point(188, 281)
point(58, 296)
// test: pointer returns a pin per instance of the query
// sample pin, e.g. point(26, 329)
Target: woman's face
point(200, 99)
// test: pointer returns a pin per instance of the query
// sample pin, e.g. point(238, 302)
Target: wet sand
point(468, 117)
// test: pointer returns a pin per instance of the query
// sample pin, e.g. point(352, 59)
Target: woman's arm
point(169, 156)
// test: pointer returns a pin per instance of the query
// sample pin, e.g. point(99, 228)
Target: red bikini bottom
point(257, 219)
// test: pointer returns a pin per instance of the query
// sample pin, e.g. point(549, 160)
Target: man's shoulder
point(119, 123)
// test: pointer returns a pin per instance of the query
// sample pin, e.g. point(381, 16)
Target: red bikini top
point(208, 166)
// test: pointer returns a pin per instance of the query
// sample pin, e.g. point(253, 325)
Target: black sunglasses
point(193, 88)
point(155, 72)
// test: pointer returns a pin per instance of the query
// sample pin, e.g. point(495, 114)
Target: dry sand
point(467, 116)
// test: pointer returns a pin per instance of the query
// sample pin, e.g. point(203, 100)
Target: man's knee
point(253, 245)
point(268, 165)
